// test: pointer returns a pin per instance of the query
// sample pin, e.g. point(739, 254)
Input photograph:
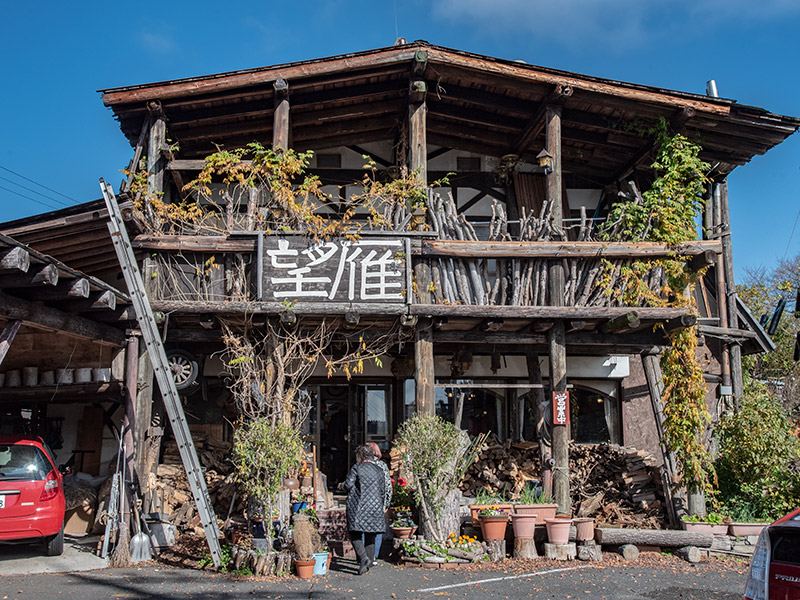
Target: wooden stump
point(590, 551)
point(261, 565)
point(525, 548)
point(690, 554)
point(496, 550)
point(269, 563)
point(629, 552)
point(560, 551)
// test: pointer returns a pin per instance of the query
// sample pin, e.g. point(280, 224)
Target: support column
point(722, 292)
point(557, 335)
point(157, 139)
point(417, 133)
point(280, 122)
point(129, 418)
point(730, 287)
point(424, 368)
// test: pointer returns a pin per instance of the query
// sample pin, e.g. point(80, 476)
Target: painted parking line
point(493, 579)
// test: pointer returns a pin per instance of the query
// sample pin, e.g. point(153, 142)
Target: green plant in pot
point(403, 525)
point(534, 500)
point(493, 521)
point(485, 499)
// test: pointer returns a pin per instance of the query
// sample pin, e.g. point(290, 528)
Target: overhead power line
point(28, 197)
point(12, 182)
point(42, 186)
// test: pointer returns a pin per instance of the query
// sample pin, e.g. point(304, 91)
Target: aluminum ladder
point(166, 383)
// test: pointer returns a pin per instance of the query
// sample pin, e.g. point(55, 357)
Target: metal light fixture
point(351, 318)
point(545, 161)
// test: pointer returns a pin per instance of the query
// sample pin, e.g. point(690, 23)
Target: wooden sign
point(297, 269)
point(560, 408)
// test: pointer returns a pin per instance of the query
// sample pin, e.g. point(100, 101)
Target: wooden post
point(280, 122)
point(556, 335)
point(417, 130)
point(424, 373)
point(722, 292)
point(129, 418)
point(155, 161)
point(539, 402)
point(730, 287)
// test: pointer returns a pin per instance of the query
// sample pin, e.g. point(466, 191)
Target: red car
point(31, 493)
point(775, 567)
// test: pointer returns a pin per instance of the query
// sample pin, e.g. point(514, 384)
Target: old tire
point(54, 544)
point(184, 368)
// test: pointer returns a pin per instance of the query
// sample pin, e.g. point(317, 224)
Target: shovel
point(140, 543)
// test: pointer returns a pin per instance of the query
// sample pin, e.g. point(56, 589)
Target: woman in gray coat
point(366, 488)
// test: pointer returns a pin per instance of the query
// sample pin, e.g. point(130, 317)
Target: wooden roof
point(475, 103)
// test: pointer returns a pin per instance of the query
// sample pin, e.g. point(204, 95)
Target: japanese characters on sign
point(560, 408)
point(363, 270)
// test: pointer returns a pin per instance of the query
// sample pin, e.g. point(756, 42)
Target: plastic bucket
point(320, 563)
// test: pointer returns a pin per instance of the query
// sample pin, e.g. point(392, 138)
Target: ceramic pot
point(298, 506)
point(543, 511)
point(558, 530)
point(30, 376)
point(584, 529)
point(524, 525)
point(720, 529)
point(13, 378)
point(290, 483)
point(743, 529)
point(305, 568)
point(403, 533)
point(475, 508)
point(697, 527)
point(493, 527)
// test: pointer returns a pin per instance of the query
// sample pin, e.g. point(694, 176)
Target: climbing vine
point(667, 213)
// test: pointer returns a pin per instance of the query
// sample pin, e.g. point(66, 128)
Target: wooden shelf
point(63, 394)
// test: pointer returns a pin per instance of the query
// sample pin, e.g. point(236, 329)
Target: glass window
point(23, 463)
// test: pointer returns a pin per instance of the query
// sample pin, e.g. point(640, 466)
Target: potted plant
point(307, 544)
point(403, 526)
point(558, 529)
point(485, 499)
point(493, 521)
point(535, 501)
point(745, 521)
point(712, 523)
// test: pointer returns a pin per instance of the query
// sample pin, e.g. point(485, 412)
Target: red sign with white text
point(560, 408)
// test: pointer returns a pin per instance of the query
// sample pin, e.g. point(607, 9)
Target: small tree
point(264, 452)
point(436, 453)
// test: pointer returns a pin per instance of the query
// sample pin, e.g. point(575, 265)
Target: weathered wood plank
point(280, 119)
point(15, 259)
point(424, 365)
point(50, 318)
point(545, 312)
point(40, 275)
point(644, 250)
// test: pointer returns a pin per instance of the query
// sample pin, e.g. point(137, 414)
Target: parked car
point(775, 568)
point(31, 493)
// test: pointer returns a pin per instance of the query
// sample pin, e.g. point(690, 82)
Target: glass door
point(377, 414)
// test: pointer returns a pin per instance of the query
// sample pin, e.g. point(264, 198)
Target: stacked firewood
point(611, 483)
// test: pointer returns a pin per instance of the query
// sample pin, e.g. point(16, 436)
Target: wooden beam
point(681, 323)
point(280, 120)
point(643, 250)
point(15, 259)
point(7, 337)
point(535, 125)
point(45, 317)
point(65, 289)
point(546, 313)
point(133, 166)
point(726, 332)
point(40, 275)
point(626, 322)
point(100, 300)
point(155, 162)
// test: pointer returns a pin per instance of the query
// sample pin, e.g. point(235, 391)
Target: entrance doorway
point(343, 417)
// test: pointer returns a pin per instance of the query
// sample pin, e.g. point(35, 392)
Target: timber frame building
point(498, 292)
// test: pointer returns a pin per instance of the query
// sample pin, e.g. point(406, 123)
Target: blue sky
point(56, 131)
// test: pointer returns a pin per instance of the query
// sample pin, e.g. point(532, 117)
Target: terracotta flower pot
point(403, 533)
point(584, 529)
point(493, 527)
point(304, 568)
point(475, 508)
point(700, 527)
point(542, 511)
point(524, 525)
point(558, 530)
point(743, 529)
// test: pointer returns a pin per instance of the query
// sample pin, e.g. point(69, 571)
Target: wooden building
point(494, 290)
